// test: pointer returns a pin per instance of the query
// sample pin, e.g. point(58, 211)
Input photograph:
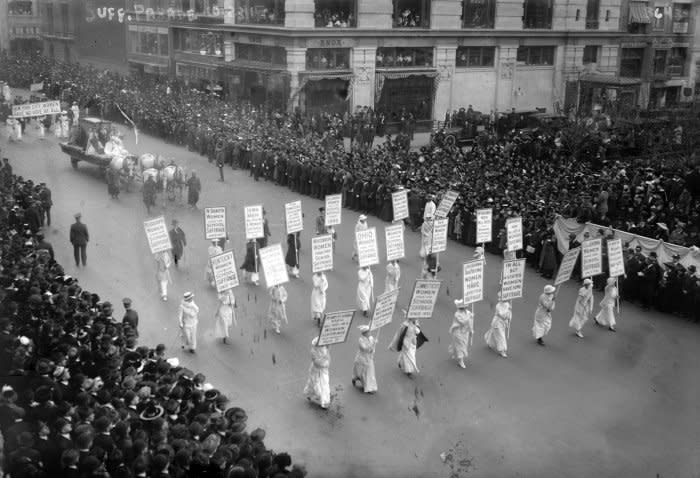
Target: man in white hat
point(318, 387)
point(360, 226)
point(188, 318)
point(543, 314)
point(363, 367)
point(461, 330)
point(583, 307)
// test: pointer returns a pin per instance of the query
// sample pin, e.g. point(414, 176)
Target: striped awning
point(639, 12)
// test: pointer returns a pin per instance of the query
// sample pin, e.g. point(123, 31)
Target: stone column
point(505, 71)
point(445, 57)
point(296, 62)
point(363, 63)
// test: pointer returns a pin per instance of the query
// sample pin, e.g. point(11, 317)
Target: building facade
point(20, 26)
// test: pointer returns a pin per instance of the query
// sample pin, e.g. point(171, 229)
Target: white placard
point(591, 258)
point(367, 250)
point(157, 235)
point(293, 217)
point(225, 273)
point(395, 247)
point(29, 110)
point(512, 279)
point(273, 265)
point(335, 327)
point(514, 230)
point(254, 222)
point(399, 201)
point(214, 222)
point(334, 206)
point(484, 225)
point(616, 261)
point(322, 253)
point(384, 309)
point(568, 262)
point(425, 294)
point(448, 200)
point(439, 242)
point(473, 281)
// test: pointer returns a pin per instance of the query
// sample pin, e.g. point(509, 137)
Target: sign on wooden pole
point(335, 327)
point(322, 253)
point(214, 222)
point(484, 221)
point(568, 262)
point(273, 265)
point(513, 279)
point(157, 235)
point(448, 200)
point(395, 248)
point(592, 257)
point(473, 281)
point(399, 201)
point(425, 294)
point(384, 309)
point(333, 209)
point(293, 217)
point(224, 268)
point(254, 222)
point(367, 250)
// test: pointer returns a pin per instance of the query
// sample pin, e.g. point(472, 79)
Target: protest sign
point(616, 262)
point(273, 265)
point(367, 250)
point(399, 201)
point(335, 327)
point(591, 258)
point(394, 242)
point(473, 281)
point(293, 217)
point(446, 204)
point(333, 209)
point(29, 110)
point(254, 222)
point(439, 242)
point(484, 221)
point(568, 263)
point(36, 86)
point(512, 279)
point(157, 235)
point(384, 309)
point(224, 268)
point(322, 253)
point(425, 294)
point(214, 222)
point(514, 231)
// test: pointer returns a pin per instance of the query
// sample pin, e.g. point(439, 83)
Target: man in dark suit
point(131, 317)
point(79, 237)
point(177, 240)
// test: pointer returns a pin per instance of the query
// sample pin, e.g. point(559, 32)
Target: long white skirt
point(459, 348)
point(189, 336)
point(496, 337)
point(318, 386)
point(543, 322)
point(363, 370)
point(407, 359)
point(606, 316)
point(225, 318)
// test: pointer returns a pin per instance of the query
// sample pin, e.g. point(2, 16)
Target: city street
point(610, 405)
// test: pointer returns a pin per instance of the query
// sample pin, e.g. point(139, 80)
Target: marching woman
point(461, 330)
point(406, 341)
point(360, 226)
point(163, 273)
point(497, 336)
point(277, 312)
point(363, 367)
point(583, 307)
point(543, 314)
point(212, 250)
point(250, 263)
point(292, 257)
point(393, 275)
point(318, 386)
point(606, 316)
point(430, 267)
point(225, 315)
point(318, 296)
point(365, 290)
point(426, 237)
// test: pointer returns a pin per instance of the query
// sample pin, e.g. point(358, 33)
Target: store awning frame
point(256, 66)
point(382, 76)
point(612, 80)
point(639, 12)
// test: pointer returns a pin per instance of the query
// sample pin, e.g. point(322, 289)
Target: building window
point(65, 19)
point(676, 62)
point(335, 13)
point(536, 55)
point(639, 17)
point(50, 21)
point(631, 62)
point(478, 13)
point(404, 57)
point(660, 62)
point(475, 56)
point(592, 14)
point(18, 7)
point(681, 17)
point(271, 55)
point(148, 40)
point(658, 20)
point(590, 54)
point(260, 11)
point(196, 41)
point(411, 14)
point(538, 14)
point(328, 59)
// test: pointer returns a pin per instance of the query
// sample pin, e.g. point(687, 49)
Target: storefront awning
point(317, 75)
point(382, 76)
point(609, 79)
point(639, 12)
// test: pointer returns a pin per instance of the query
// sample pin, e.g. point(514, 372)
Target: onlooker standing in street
point(178, 241)
point(79, 237)
point(46, 203)
point(131, 317)
point(194, 187)
point(188, 317)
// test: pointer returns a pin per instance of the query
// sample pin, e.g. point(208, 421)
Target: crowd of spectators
point(408, 18)
point(335, 18)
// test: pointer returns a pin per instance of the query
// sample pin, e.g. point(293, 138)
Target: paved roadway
point(612, 405)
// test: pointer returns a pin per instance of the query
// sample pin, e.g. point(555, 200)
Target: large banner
point(384, 309)
point(399, 201)
point(101, 28)
point(293, 217)
point(484, 220)
point(30, 110)
point(335, 327)
point(254, 228)
point(439, 242)
point(446, 204)
point(591, 258)
point(425, 294)
point(512, 279)
point(157, 235)
point(224, 267)
point(214, 222)
point(514, 231)
point(473, 281)
point(568, 262)
point(333, 209)
point(273, 265)
point(616, 262)
point(395, 248)
point(367, 250)
point(322, 253)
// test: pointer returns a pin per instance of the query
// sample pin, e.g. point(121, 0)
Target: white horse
point(174, 177)
point(148, 161)
point(126, 166)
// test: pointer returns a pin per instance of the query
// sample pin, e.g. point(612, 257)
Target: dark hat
point(322, 209)
point(126, 301)
point(211, 395)
point(151, 412)
point(652, 254)
point(676, 256)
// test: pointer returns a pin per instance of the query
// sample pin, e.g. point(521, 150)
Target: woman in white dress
point(360, 226)
point(318, 296)
point(65, 125)
point(583, 307)
point(57, 126)
point(606, 316)
point(426, 237)
point(497, 336)
point(543, 314)
point(40, 125)
point(225, 315)
point(163, 273)
point(318, 387)
point(461, 330)
point(365, 290)
point(363, 367)
point(212, 250)
point(405, 342)
point(393, 275)
point(277, 312)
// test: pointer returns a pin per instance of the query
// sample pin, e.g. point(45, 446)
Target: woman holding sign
point(405, 342)
point(360, 226)
point(583, 307)
point(292, 257)
point(461, 330)
point(606, 316)
point(393, 275)
point(318, 384)
point(163, 273)
point(426, 237)
point(497, 336)
point(363, 367)
point(277, 312)
point(225, 315)
point(365, 289)
point(318, 296)
point(543, 314)
point(250, 264)
point(212, 250)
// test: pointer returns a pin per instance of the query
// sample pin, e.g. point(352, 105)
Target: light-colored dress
point(163, 262)
point(212, 250)
point(363, 367)
point(606, 316)
point(426, 238)
point(40, 124)
point(365, 288)
point(225, 315)
point(582, 309)
point(188, 320)
point(393, 275)
point(429, 210)
point(360, 226)
point(496, 336)
point(318, 386)
point(407, 355)
point(18, 131)
point(318, 295)
point(277, 312)
point(461, 331)
point(543, 316)
point(65, 126)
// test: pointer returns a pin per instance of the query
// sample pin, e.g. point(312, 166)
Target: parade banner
point(334, 206)
point(448, 200)
point(273, 265)
point(512, 279)
point(425, 294)
point(484, 221)
point(399, 202)
point(293, 217)
point(384, 309)
point(254, 222)
point(335, 327)
point(157, 235)
point(568, 262)
point(29, 110)
point(514, 230)
point(36, 86)
point(473, 281)
point(591, 258)
point(439, 242)
point(214, 222)
point(616, 262)
point(395, 248)
point(367, 250)
point(322, 253)
point(224, 268)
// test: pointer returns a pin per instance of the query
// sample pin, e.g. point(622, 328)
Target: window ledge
point(474, 68)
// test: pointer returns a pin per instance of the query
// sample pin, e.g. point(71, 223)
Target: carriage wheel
point(74, 163)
